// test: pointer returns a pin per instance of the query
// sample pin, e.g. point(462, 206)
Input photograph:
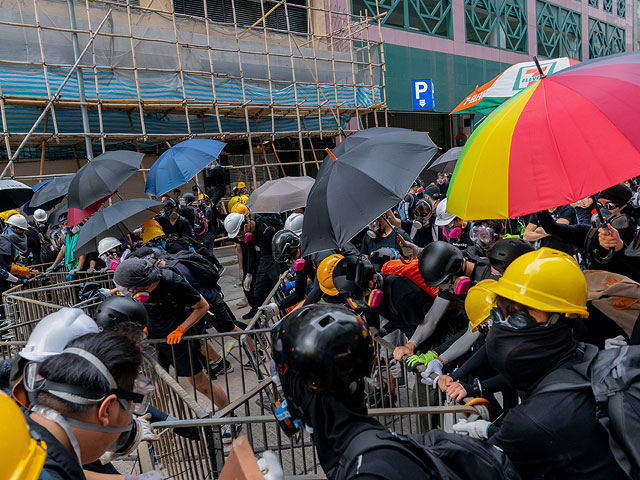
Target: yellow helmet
point(244, 198)
point(547, 280)
point(203, 196)
point(479, 302)
point(325, 274)
point(232, 202)
point(7, 213)
point(21, 456)
point(241, 185)
point(240, 208)
point(151, 229)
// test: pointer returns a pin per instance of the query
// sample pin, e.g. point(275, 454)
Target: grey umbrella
point(54, 216)
point(281, 195)
point(52, 191)
point(101, 177)
point(115, 221)
point(361, 184)
point(13, 194)
point(446, 162)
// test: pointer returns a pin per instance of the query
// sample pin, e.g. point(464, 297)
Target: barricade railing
point(191, 444)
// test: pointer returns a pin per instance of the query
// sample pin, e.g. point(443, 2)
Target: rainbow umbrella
point(567, 136)
point(513, 80)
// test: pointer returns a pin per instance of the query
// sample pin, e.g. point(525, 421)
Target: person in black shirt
point(174, 307)
point(216, 175)
point(381, 234)
point(565, 215)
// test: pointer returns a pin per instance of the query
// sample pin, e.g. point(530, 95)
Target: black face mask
point(524, 357)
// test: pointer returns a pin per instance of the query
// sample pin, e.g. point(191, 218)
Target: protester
point(565, 215)
point(381, 234)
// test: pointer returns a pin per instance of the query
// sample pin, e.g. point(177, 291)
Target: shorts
point(188, 362)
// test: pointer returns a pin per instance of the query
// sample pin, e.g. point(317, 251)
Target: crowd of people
point(514, 312)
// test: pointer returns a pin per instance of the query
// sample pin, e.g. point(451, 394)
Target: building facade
point(459, 44)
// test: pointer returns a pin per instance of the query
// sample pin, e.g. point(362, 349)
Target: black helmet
point(381, 256)
point(118, 309)
point(284, 245)
point(327, 347)
point(352, 275)
point(438, 261)
point(188, 198)
point(506, 251)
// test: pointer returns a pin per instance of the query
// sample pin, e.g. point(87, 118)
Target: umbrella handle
point(604, 225)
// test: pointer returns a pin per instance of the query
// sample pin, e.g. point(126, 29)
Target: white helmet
point(107, 243)
point(232, 224)
point(294, 223)
point(53, 332)
point(442, 216)
point(40, 216)
point(17, 221)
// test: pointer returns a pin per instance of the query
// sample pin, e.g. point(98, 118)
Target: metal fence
point(191, 444)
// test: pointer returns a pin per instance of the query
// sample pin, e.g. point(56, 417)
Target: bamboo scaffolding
point(329, 53)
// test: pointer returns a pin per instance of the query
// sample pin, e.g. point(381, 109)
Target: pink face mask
point(461, 287)
point(299, 264)
point(113, 264)
point(375, 299)
point(142, 296)
point(455, 232)
point(420, 190)
point(248, 237)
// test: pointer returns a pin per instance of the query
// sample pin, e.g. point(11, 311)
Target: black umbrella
point(356, 139)
point(13, 194)
point(115, 221)
point(361, 184)
point(54, 217)
point(101, 177)
point(52, 192)
point(446, 162)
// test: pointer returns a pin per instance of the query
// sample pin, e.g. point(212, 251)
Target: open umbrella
point(564, 138)
point(181, 163)
point(115, 221)
point(13, 194)
point(281, 195)
point(446, 162)
point(361, 184)
point(514, 79)
point(54, 217)
point(76, 215)
point(50, 192)
point(101, 177)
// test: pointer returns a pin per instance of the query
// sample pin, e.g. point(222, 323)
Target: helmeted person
point(455, 230)
point(294, 223)
point(14, 253)
point(22, 455)
point(322, 354)
point(286, 246)
point(121, 313)
point(82, 402)
point(553, 434)
point(112, 252)
point(381, 233)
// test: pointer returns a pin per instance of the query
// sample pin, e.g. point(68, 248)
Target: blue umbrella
point(28, 209)
point(48, 194)
point(181, 163)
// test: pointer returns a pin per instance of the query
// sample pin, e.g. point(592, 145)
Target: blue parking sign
point(423, 95)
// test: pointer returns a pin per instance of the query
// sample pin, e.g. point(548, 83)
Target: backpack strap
point(575, 377)
point(371, 440)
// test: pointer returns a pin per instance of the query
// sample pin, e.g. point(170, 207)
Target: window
point(559, 32)
point(497, 23)
point(607, 6)
point(605, 39)
point(248, 12)
point(426, 16)
point(622, 8)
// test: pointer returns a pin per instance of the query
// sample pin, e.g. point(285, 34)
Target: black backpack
point(613, 375)
point(47, 253)
point(205, 272)
point(446, 456)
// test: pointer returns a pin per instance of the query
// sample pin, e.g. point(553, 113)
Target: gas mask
point(371, 299)
point(452, 231)
point(441, 180)
point(422, 212)
point(136, 400)
point(73, 230)
point(482, 237)
point(142, 296)
point(374, 229)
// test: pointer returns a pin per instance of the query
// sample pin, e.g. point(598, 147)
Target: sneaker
point(227, 436)
point(219, 366)
point(242, 303)
point(248, 316)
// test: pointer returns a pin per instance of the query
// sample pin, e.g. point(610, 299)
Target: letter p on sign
point(422, 94)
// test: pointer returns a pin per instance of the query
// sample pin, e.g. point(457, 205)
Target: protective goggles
point(609, 205)
point(517, 320)
point(480, 233)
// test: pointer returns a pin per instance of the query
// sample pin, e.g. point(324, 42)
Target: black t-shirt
point(169, 303)
point(181, 229)
point(390, 241)
point(555, 435)
point(423, 236)
point(189, 213)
